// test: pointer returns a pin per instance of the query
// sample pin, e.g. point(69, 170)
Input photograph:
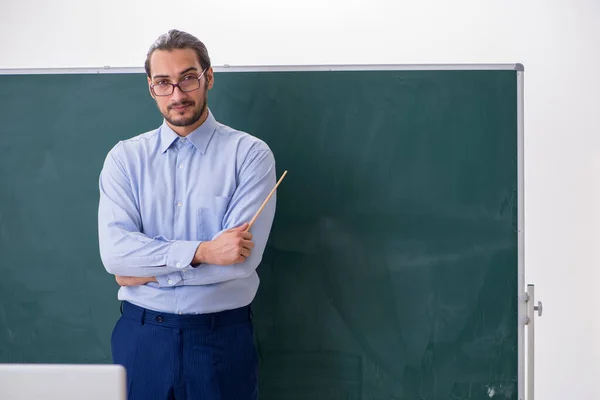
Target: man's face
point(181, 109)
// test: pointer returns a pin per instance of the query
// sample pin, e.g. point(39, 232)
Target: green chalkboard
point(392, 267)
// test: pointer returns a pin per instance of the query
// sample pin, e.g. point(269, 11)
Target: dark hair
point(175, 39)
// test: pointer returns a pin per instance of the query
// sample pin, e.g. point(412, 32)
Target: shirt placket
point(184, 147)
point(181, 164)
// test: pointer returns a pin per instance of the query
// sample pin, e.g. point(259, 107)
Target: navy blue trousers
point(185, 357)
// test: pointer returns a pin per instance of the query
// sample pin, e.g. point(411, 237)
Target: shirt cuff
point(169, 280)
point(182, 253)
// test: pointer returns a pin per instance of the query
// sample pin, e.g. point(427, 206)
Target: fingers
point(240, 228)
point(247, 244)
point(234, 246)
point(247, 236)
point(245, 252)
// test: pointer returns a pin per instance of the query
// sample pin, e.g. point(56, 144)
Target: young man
point(173, 216)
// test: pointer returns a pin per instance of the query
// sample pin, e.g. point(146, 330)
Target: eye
point(189, 78)
point(161, 83)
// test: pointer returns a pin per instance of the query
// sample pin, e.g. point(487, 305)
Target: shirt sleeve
point(124, 249)
point(257, 178)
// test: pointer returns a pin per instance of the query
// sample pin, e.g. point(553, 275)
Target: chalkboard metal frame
point(274, 68)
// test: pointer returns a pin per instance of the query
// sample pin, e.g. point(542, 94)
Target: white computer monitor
point(62, 382)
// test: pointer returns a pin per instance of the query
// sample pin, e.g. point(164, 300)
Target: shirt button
point(170, 282)
point(177, 265)
point(180, 166)
point(179, 204)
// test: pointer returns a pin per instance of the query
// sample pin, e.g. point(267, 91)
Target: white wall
point(557, 41)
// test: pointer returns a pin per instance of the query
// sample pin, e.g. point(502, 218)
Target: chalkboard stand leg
point(532, 308)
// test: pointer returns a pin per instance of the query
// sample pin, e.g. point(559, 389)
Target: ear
point(150, 89)
point(210, 78)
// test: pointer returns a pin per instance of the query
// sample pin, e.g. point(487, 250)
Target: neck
point(186, 130)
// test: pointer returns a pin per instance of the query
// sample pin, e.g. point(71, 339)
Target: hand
point(133, 280)
point(231, 247)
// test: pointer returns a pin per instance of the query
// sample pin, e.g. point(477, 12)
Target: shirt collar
point(200, 137)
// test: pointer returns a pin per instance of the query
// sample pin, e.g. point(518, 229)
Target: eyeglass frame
point(174, 85)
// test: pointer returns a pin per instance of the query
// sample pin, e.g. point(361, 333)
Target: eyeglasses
point(188, 84)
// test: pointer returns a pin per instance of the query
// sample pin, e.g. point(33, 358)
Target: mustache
point(181, 103)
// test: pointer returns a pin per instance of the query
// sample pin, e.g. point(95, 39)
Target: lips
point(179, 107)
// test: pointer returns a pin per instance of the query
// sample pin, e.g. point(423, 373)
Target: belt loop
point(250, 313)
point(121, 307)
point(143, 316)
point(212, 322)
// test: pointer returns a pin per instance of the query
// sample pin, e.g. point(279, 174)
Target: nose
point(178, 94)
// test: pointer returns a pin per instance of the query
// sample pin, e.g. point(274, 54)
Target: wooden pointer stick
point(265, 202)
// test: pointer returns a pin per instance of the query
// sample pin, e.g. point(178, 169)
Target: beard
point(180, 120)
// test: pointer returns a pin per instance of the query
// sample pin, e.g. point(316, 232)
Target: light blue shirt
point(161, 195)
